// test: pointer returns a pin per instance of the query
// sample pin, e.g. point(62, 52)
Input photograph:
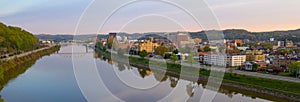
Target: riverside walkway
point(26, 53)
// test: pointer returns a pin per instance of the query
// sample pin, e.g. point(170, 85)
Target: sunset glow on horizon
point(61, 17)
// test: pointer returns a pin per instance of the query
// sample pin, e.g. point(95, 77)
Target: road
point(26, 53)
point(256, 74)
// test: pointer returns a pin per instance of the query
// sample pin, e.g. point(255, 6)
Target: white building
point(224, 60)
point(215, 59)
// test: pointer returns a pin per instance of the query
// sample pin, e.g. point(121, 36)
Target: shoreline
point(225, 83)
point(12, 68)
point(27, 53)
point(16, 61)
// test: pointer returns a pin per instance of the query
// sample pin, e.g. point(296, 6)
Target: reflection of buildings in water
point(96, 55)
point(121, 67)
point(144, 72)
point(190, 89)
point(227, 92)
point(174, 81)
point(110, 61)
point(159, 75)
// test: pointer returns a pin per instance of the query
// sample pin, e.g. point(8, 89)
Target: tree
point(267, 45)
point(171, 48)
point(99, 45)
point(174, 58)
point(199, 50)
point(284, 52)
point(207, 49)
point(161, 50)
point(14, 39)
point(291, 51)
point(175, 51)
point(254, 67)
point(294, 68)
point(104, 48)
point(143, 54)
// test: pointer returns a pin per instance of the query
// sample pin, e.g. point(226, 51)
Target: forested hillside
point(13, 39)
point(231, 34)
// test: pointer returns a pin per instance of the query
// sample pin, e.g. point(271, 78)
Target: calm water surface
point(52, 79)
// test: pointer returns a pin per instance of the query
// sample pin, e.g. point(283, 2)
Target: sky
point(63, 16)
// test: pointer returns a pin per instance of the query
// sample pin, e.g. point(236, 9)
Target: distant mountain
point(65, 37)
point(231, 34)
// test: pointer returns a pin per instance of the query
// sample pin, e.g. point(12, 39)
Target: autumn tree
point(161, 50)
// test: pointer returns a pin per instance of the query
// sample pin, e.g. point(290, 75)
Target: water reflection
point(21, 65)
point(55, 72)
point(193, 89)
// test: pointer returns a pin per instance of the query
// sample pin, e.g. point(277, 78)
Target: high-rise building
point(111, 39)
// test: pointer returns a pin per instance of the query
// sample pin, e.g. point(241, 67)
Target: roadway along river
point(91, 77)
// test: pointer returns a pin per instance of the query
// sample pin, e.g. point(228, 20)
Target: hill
point(14, 39)
point(231, 34)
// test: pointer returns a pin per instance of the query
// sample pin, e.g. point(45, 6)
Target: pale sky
point(62, 16)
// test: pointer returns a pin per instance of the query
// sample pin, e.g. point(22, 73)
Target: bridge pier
point(86, 49)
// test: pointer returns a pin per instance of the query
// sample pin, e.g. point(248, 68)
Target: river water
point(56, 78)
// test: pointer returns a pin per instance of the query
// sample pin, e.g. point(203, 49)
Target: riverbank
point(10, 69)
point(27, 53)
point(13, 67)
point(277, 88)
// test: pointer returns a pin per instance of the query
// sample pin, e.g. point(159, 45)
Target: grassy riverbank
point(280, 88)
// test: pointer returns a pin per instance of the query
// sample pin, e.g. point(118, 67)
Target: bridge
point(88, 47)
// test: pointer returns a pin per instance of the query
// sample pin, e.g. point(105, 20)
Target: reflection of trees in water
point(22, 64)
point(144, 72)
point(227, 92)
point(121, 67)
point(159, 75)
point(190, 88)
point(174, 81)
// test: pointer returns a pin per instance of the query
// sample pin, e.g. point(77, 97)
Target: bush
point(143, 54)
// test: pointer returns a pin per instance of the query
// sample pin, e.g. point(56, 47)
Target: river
point(56, 78)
